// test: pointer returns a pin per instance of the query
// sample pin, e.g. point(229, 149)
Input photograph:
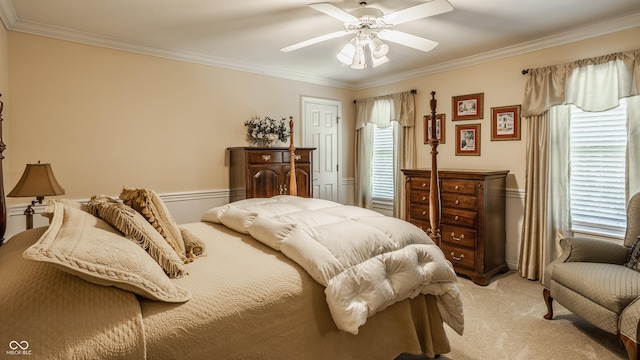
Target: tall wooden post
point(293, 184)
point(434, 191)
point(3, 206)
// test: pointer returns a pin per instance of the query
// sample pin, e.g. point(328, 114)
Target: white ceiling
point(247, 34)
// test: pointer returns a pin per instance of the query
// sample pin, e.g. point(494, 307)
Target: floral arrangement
point(267, 131)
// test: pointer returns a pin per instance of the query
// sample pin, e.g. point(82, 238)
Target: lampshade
point(37, 181)
point(375, 62)
point(359, 61)
point(346, 54)
point(378, 49)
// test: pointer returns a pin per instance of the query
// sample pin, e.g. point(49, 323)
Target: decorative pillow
point(149, 204)
point(633, 220)
point(134, 226)
point(192, 244)
point(633, 262)
point(86, 246)
point(67, 202)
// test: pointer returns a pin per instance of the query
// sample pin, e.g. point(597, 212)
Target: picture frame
point(505, 123)
point(440, 128)
point(467, 107)
point(468, 140)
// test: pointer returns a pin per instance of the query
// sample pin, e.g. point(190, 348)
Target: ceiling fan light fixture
point(371, 27)
point(347, 54)
point(359, 61)
point(378, 48)
point(377, 62)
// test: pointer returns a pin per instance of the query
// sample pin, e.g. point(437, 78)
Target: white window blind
point(382, 164)
point(597, 177)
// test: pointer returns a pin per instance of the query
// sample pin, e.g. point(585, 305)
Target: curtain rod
point(525, 71)
point(413, 91)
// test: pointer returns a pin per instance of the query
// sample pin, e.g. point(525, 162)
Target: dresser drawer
point(420, 183)
point(456, 201)
point(456, 217)
point(459, 236)
point(300, 157)
point(264, 157)
point(420, 197)
point(458, 186)
point(459, 256)
point(420, 212)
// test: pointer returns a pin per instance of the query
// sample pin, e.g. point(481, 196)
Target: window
point(597, 171)
point(382, 164)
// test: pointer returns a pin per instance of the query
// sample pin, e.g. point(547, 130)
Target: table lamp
point(37, 181)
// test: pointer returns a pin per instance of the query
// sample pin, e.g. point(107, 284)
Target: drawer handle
point(297, 157)
point(266, 157)
point(456, 218)
point(424, 198)
point(457, 187)
point(457, 202)
point(424, 212)
point(424, 184)
point(453, 236)
point(457, 258)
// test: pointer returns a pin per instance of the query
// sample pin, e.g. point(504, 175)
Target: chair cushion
point(610, 285)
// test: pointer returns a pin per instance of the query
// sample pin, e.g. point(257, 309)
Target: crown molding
point(7, 14)
point(13, 23)
point(586, 32)
point(106, 42)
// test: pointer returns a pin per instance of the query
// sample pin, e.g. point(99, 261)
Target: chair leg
point(549, 301)
point(631, 347)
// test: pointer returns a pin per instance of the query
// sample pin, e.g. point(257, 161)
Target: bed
point(110, 280)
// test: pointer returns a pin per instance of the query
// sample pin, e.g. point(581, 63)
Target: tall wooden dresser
point(264, 171)
point(472, 219)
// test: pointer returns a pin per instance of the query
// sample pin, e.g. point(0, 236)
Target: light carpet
point(504, 320)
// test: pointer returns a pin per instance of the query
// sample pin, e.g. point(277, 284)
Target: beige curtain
point(594, 84)
point(381, 111)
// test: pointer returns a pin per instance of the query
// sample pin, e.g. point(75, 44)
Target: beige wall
point(502, 83)
point(105, 118)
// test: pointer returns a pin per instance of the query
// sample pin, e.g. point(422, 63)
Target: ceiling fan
point(370, 26)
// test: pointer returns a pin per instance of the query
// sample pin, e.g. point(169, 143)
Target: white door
point(321, 131)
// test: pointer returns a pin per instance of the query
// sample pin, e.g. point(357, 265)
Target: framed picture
point(468, 139)
point(505, 123)
point(440, 128)
point(468, 107)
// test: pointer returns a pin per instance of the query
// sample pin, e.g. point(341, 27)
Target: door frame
point(331, 102)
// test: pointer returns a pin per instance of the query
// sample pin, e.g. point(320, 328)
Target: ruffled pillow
point(135, 227)
point(149, 204)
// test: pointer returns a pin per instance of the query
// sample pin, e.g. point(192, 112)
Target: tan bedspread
point(46, 313)
point(251, 302)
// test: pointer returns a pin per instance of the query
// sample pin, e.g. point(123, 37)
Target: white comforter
point(365, 260)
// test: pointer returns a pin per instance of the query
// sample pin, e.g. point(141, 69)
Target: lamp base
point(28, 212)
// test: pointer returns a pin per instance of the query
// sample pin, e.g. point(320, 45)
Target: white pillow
point(86, 246)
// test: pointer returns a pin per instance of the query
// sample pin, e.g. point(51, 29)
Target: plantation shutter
point(382, 164)
point(597, 177)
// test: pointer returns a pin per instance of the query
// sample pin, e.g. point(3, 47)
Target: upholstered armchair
point(599, 280)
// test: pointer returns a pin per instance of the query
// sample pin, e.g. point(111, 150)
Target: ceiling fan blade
point(424, 10)
point(334, 12)
point(315, 40)
point(406, 39)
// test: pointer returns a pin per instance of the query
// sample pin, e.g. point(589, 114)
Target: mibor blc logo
point(19, 348)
